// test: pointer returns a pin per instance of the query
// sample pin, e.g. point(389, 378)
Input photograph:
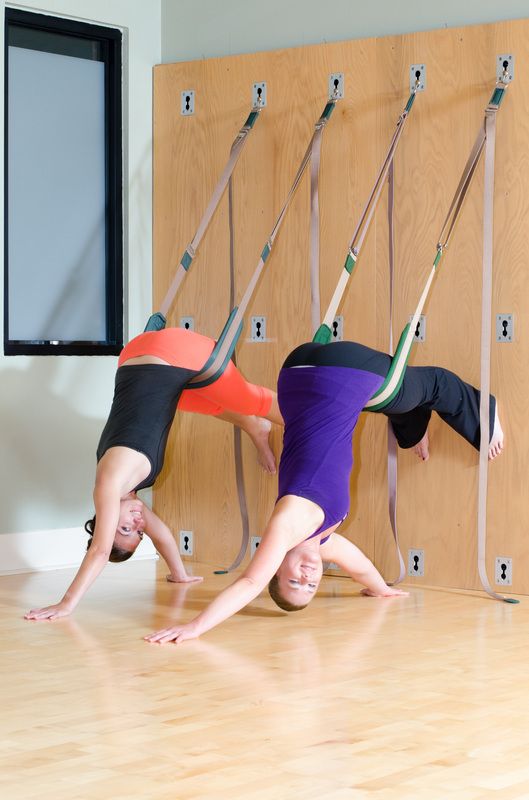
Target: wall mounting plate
point(337, 329)
point(418, 73)
point(416, 563)
point(188, 323)
point(187, 105)
point(505, 328)
point(258, 329)
point(505, 68)
point(503, 571)
point(420, 330)
point(336, 86)
point(259, 94)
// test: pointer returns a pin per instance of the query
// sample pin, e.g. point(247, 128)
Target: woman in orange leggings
point(154, 370)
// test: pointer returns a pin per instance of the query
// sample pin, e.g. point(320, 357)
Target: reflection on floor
point(421, 697)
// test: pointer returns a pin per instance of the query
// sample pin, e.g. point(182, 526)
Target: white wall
point(206, 28)
point(52, 409)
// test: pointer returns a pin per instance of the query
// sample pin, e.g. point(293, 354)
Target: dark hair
point(275, 594)
point(116, 554)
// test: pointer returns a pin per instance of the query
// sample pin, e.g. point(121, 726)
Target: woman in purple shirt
point(321, 391)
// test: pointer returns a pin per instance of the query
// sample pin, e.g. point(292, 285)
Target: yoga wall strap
point(158, 320)
point(237, 434)
point(225, 346)
point(315, 155)
point(486, 313)
point(315, 160)
point(324, 332)
point(395, 376)
point(392, 440)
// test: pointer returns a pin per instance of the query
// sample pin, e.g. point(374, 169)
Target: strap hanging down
point(324, 332)
point(158, 320)
point(395, 376)
point(486, 313)
point(216, 364)
point(392, 440)
point(237, 435)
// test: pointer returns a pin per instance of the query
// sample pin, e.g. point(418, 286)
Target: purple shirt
point(320, 406)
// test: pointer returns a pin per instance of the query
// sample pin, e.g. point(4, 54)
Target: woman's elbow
point(99, 552)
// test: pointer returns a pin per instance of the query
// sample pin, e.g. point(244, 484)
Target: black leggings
point(423, 390)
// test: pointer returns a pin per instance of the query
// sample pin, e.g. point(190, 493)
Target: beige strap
point(315, 158)
point(486, 313)
point(237, 434)
point(364, 222)
point(190, 252)
point(222, 352)
point(461, 191)
point(392, 441)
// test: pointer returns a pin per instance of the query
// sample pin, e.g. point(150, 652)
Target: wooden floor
point(424, 697)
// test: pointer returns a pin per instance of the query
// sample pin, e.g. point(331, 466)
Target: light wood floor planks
point(418, 698)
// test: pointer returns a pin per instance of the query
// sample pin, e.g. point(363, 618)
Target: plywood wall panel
point(437, 500)
point(437, 509)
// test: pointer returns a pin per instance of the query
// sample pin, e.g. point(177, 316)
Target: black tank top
point(142, 412)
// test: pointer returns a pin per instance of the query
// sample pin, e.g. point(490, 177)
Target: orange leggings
point(190, 350)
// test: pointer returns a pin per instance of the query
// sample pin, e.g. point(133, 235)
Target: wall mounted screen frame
point(63, 264)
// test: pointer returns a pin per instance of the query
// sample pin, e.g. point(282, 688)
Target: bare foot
point(422, 448)
point(496, 443)
point(258, 429)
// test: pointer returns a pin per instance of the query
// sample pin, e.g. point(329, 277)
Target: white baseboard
point(36, 551)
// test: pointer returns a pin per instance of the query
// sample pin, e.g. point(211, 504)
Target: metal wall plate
point(186, 543)
point(505, 68)
point(258, 329)
point(418, 73)
point(503, 571)
point(188, 323)
point(505, 328)
point(187, 106)
point(255, 541)
point(336, 86)
point(337, 329)
point(259, 94)
point(416, 563)
point(420, 330)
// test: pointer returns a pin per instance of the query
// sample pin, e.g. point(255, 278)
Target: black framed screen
point(63, 187)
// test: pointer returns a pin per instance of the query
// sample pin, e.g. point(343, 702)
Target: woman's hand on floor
point(184, 578)
point(390, 591)
point(49, 612)
point(177, 634)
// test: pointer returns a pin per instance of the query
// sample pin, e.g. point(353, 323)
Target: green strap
point(389, 376)
point(156, 322)
point(323, 335)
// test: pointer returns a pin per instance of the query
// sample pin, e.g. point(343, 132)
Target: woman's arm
point(358, 566)
point(165, 544)
point(107, 506)
point(269, 555)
